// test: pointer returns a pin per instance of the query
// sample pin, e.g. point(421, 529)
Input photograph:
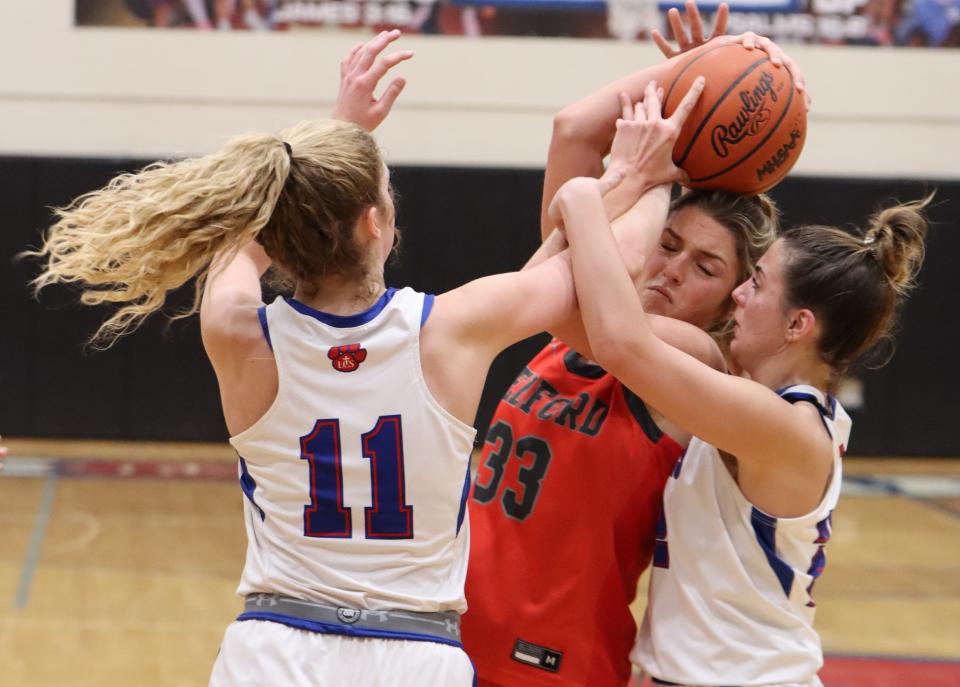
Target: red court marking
point(136, 469)
point(841, 671)
point(865, 671)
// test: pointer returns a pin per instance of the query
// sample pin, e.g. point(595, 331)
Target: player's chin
point(656, 303)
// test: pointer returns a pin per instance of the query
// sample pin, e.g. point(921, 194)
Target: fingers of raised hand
point(626, 106)
point(798, 79)
point(651, 101)
point(382, 107)
point(689, 101)
point(748, 40)
point(374, 47)
point(720, 21)
point(679, 32)
point(663, 44)
point(346, 64)
point(385, 64)
point(695, 21)
point(772, 49)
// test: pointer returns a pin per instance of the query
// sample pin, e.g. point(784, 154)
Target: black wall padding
point(458, 224)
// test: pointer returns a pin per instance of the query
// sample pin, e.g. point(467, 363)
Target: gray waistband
point(443, 625)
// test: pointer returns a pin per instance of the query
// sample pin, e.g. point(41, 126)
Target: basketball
point(748, 128)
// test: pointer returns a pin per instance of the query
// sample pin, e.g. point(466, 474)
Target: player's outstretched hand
point(643, 144)
point(778, 58)
point(360, 72)
point(688, 41)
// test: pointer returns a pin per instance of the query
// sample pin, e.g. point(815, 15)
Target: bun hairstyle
point(895, 237)
point(145, 234)
point(855, 283)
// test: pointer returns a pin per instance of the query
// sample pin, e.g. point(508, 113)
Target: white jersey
point(731, 588)
point(355, 478)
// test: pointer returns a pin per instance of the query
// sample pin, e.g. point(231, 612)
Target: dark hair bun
point(896, 239)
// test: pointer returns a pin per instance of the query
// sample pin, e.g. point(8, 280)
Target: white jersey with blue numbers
point(731, 588)
point(355, 478)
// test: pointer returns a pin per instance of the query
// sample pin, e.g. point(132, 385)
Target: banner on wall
point(840, 22)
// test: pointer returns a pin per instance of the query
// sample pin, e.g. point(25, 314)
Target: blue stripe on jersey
point(249, 486)
point(344, 321)
point(463, 499)
point(427, 307)
point(262, 314)
point(765, 528)
point(819, 560)
point(802, 396)
point(338, 629)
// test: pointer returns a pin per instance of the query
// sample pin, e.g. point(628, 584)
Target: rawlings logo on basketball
point(751, 119)
point(347, 358)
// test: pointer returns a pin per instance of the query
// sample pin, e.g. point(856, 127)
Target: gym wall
point(467, 143)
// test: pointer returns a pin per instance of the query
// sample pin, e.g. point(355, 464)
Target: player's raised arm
point(583, 131)
point(360, 74)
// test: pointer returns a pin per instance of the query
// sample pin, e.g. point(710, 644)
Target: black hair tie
point(288, 149)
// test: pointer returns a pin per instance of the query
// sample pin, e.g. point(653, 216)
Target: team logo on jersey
point(347, 358)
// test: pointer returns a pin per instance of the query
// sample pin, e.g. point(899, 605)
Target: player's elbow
point(614, 351)
point(571, 125)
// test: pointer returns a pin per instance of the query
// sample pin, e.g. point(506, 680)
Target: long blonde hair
point(147, 233)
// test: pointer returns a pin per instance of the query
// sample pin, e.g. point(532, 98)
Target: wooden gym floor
point(119, 562)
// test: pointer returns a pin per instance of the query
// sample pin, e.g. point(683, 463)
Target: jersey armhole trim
point(793, 397)
point(428, 299)
point(640, 413)
point(468, 432)
point(262, 314)
point(249, 486)
point(464, 495)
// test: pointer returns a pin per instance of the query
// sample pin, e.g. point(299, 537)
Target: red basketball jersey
point(562, 515)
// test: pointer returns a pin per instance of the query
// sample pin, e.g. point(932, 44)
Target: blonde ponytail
point(148, 233)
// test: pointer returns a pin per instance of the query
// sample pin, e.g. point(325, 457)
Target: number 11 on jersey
point(326, 516)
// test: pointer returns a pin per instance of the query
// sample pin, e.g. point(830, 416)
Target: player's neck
point(790, 368)
point(339, 296)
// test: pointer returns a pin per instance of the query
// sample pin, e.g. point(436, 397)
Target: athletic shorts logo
point(537, 656)
point(348, 616)
point(347, 358)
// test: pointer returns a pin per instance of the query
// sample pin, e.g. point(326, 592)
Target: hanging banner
point(839, 22)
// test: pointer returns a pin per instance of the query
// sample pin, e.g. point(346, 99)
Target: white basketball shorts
point(259, 653)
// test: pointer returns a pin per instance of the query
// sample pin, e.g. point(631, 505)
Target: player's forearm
point(582, 133)
point(637, 231)
point(592, 120)
point(552, 245)
point(568, 157)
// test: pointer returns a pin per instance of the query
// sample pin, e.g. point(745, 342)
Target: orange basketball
point(748, 128)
